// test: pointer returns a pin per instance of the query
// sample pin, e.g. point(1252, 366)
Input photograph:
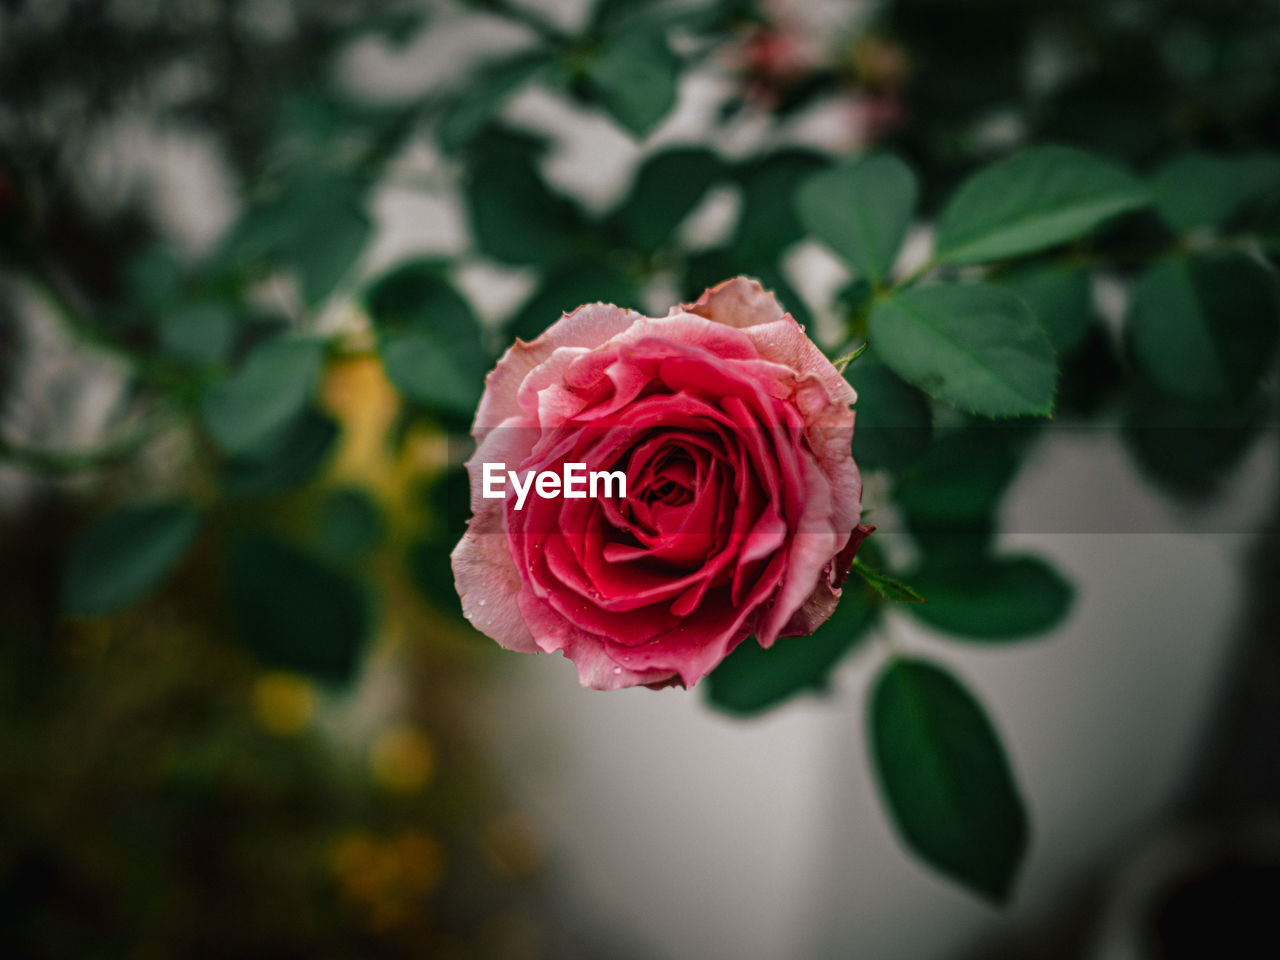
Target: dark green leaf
point(431, 572)
point(284, 460)
point(667, 188)
point(887, 586)
point(1205, 329)
point(295, 612)
point(962, 477)
point(201, 334)
point(335, 241)
point(1035, 199)
point(769, 222)
point(316, 226)
point(415, 297)
point(126, 555)
point(893, 422)
point(615, 17)
point(1189, 449)
point(264, 396)
point(862, 210)
point(751, 679)
point(992, 599)
point(1201, 190)
point(514, 216)
point(431, 342)
point(567, 289)
point(425, 368)
point(1061, 299)
point(975, 346)
point(473, 107)
point(349, 525)
point(635, 75)
point(945, 779)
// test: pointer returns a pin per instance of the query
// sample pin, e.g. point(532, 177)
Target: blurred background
point(265, 730)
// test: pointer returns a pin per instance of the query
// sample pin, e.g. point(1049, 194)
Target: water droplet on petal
point(617, 671)
point(482, 603)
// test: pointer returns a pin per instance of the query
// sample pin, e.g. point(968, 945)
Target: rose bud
point(740, 511)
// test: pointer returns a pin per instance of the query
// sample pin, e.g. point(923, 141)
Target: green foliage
point(635, 76)
point(944, 777)
point(991, 598)
point(893, 424)
point(1061, 299)
point(316, 227)
point(1035, 199)
point(265, 395)
point(515, 217)
point(201, 334)
point(1204, 328)
point(751, 679)
point(125, 555)
point(666, 189)
point(962, 477)
point(468, 113)
point(284, 460)
point(769, 222)
point(429, 338)
point(885, 585)
point(862, 211)
point(349, 525)
point(1202, 190)
point(976, 346)
point(293, 611)
point(1186, 448)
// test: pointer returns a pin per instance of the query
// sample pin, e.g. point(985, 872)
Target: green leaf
point(284, 461)
point(514, 216)
point(635, 75)
point(349, 524)
point(1035, 199)
point(201, 334)
point(1202, 190)
point(473, 107)
point(615, 17)
point(667, 188)
point(992, 598)
point(976, 346)
point(751, 679)
point(567, 289)
point(1190, 449)
point(862, 210)
point(125, 555)
point(1061, 299)
point(415, 296)
point(431, 572)
point(316, 227)
point(769, 222)
point(295, 612)
point(887, 586)
point(893, 422)
point(1204, 328)
point(431, 343)
point(425, 368)
point(962, 477)
point(264, 396)
point(944, 777)
point(334, 242)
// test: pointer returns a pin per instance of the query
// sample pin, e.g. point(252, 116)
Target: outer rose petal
point(588, 326)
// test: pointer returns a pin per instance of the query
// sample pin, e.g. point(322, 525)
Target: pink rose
point(740, 514)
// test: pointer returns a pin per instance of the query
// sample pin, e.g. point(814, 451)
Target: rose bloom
point(742, 498)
